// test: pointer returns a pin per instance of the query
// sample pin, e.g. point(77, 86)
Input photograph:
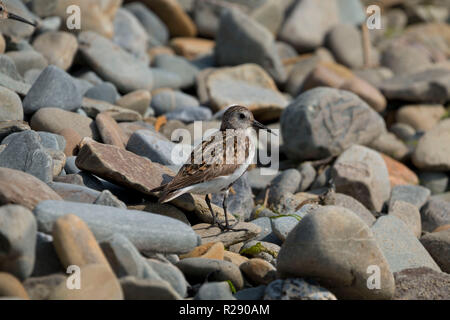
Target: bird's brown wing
point(213, 164)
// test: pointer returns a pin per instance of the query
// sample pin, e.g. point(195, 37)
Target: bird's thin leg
point(227, 226)
point(208, 202)
point(224, 205)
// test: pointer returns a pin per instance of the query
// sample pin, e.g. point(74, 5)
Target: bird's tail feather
point(168, 196)
point(160, 188)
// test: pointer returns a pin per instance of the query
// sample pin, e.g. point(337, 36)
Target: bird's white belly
point(218, 184)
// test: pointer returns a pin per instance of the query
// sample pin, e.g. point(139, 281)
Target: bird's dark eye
point(1, 9)
point(241, 115)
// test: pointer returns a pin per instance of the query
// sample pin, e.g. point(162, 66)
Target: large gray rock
point(332, 245)
point(435, 213)
point(168, 100)
point(308, 23)
point(52, 140)
point(148, 232)
point(429, 86)
point(18, 233)
point(256, 44)
point(104, 91)
point(125, 259)
point(25, 152)
point(438, 245)
point(114, 64)
point(168, 272)
point(324, 121)
point(430, 153)
point(130, 35)
point(399, 245)
point(415, 195)
point(362, 174)
point(152, 145)
point(345, 41)
point(53, 89)
point(150, 21)
point(177, 65)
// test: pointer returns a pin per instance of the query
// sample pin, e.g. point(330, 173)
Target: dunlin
point(217, 162)
point(5, 14)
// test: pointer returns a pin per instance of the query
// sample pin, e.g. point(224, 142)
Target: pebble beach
point(354, 205)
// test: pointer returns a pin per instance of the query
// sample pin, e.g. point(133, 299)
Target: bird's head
point(239, 117)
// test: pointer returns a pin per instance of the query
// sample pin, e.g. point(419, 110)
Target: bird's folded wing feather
point(213, 162)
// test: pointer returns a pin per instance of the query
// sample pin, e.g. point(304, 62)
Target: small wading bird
point(6, 15)
point(216, 172)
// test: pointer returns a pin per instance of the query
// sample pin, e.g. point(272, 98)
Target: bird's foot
point(228, 228)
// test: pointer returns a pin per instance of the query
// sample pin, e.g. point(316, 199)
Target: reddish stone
point(121, 167)
point(17, 187)
point(110, 131)
point(399, 174)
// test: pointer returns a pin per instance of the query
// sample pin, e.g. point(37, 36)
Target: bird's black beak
point(259, 125)
point(13, 16)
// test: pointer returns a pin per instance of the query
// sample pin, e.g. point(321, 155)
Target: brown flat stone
point(98, 282)
point(93, 107)
point(54, 120)
point(109, 130)
point(138, 101)
point(11, 287)
point(121, 167)
point(17, 187)
point(210, 250)
point(172, 14)
point(72, 140)
point(75, 244)
point(192, 48)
